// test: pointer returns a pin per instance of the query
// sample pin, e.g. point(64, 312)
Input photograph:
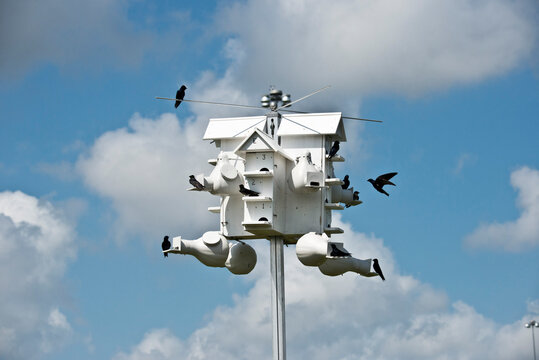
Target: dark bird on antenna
point(334, 149)
point(180, 94)
point(335, 251)
point(382, 180)
point(248, 192)
point(377, 269)
point(198, 186)
point(165, 245)
point(346, 181)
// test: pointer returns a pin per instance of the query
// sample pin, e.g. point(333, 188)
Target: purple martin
point(335, 251)
point(377, 269)
point(180, 94)
point(165, 245)
point(195, 183)
point(334, 149)
point(355, 197)
point(248, 192)
point(346, 182)
point(382, 180)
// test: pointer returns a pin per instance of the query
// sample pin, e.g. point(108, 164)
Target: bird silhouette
point(334, 149)
point(355, 197)
point(377, 269)
point(382, 180)
point(198, 186)
point(335, 251)
point(248, 192)
point(165, 245)
point(346, 181)
point(180, 94)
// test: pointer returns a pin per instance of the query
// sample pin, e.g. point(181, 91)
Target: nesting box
point(284, 159)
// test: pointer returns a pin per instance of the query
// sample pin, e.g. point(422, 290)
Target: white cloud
point(346, 317)
point(144, 170)
point(157, 344)
point(522, 233)
point(36, 244)
point(372, 46)
point(99, 32)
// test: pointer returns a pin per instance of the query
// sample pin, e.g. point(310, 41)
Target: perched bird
point(355, 197)
point(382, 180)
point(248, 192)
point(195, 183)
point(377, 269)
point(180, 94)
point(334, 149)
point(165, 245)
point(335, 251)
point(346, 182)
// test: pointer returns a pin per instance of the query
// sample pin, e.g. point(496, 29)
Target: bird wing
point(386, 176)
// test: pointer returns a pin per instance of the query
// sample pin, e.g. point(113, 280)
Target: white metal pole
point(277, 298)
point(533, 339)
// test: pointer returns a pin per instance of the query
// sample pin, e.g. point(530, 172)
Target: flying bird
point(334, 149)
point(335, 251)
point(377, 269)
point(165, 245)
point(382, 180)
point(346, 182)
point(198, 186)
point(180, 94)
point(248, 192)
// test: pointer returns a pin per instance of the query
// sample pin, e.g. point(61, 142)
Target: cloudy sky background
point(93, 172)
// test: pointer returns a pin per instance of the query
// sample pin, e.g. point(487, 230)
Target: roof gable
point(258, 141)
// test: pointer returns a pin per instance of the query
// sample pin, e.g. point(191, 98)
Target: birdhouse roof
point(313, 124)
point(259, 141)
point(227, 128)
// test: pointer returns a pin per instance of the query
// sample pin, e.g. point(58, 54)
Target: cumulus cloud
point(36, 244)
point(522, 233)
point(345, 317)
point(159, 344)
point(100, 32)
point(374, 46)
point(144, 171)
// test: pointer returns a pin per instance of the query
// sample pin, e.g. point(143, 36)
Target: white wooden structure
point(283, 158)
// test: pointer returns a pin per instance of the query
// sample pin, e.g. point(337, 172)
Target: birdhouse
point(283, 159)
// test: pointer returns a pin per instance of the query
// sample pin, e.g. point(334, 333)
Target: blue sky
point(93, 173)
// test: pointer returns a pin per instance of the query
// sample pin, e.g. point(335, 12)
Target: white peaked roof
point(227, 128)
point(312, 124)
point(259, 141)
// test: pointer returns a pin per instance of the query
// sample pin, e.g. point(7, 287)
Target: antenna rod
point(305, 97)
point(261, 108)
point(211, 102)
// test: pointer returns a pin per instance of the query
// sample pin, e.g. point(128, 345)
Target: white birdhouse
point(284, 159)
